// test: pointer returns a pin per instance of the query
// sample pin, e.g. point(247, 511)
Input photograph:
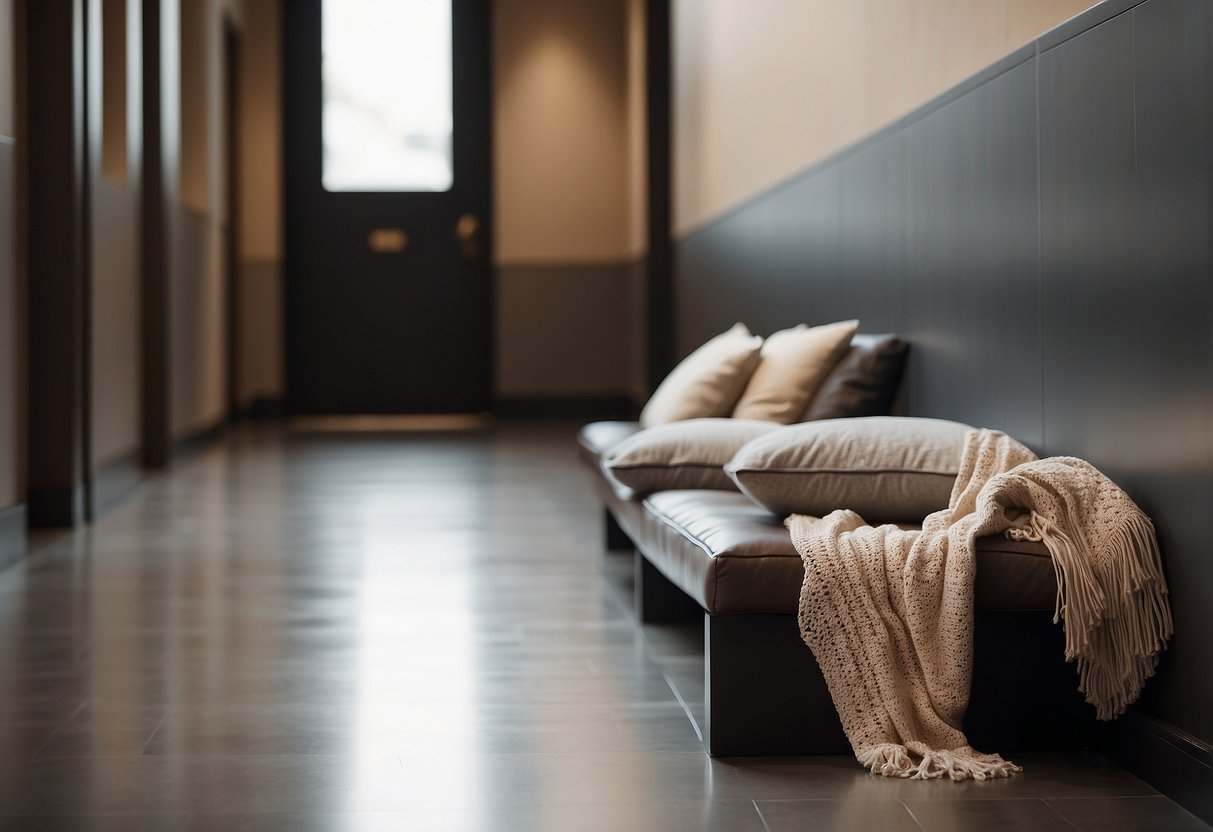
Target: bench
point(717, 555)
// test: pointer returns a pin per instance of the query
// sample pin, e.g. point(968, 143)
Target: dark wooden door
point(388, 285)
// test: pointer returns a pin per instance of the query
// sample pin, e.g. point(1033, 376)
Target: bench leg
point(616, 538)
point(658, 599)
point(764, 692)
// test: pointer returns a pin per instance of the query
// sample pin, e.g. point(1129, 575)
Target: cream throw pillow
point(793, 365)
point(707, 382)
point(687, 454)
point(884, 467)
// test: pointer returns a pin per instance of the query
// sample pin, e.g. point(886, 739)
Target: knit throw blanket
point(888, 613)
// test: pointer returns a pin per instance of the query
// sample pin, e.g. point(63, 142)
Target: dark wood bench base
point(765, 695)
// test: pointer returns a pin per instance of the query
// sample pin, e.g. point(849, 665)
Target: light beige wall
point(637, 124)
point(261, 132)
point(765, 88)
point(116, 376)
point(196, 45)
point(569, 198)
point(198, 305)
point(260, 280)
point(560, 132)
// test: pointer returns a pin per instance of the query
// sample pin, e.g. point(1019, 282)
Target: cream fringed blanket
point(889, 613)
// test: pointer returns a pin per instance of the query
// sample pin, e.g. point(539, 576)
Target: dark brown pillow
point(864, 382)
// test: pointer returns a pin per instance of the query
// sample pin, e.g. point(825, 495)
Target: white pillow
point(687, 454)
point(883, 467)
point(707, 382)
point(793, 365)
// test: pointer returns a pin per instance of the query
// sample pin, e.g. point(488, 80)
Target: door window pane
point(387, 95)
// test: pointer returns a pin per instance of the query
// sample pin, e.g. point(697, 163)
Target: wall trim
point(12, 535)
point(55, 508)
point(589, 406)
point(197, 440)
point(1172, 761)
point(564, 263)
point(263, 408)
point(116, 480)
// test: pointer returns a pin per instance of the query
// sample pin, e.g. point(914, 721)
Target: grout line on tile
point(47, 741)
point(159, 723)
point(1061, 815)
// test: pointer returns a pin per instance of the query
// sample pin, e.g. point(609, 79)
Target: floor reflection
point(312, 631)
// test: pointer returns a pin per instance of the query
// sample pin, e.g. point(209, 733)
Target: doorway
point(387, 182)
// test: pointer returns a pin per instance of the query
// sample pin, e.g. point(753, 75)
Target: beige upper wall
point(260, 301)
point(766, 88)
point(560, 132)
point(637, 138)
point(7, 128)
point(198, 292)
point(260, 132)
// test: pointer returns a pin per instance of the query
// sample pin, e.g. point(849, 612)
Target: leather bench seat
point(732, 556)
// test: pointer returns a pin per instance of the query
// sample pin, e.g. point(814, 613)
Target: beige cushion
point(793, 364)
point(687, 454)
point(884, 467)
point(708, 382)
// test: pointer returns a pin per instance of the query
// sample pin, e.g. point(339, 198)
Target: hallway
point(418, 631)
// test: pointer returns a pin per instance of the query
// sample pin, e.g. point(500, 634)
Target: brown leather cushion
point(596, 437)
point(732, 556)
point(864, 382)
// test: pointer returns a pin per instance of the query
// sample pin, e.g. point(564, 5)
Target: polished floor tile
point(987, 815)
point(837, 816)
point(323, 632)
point(1127, 814)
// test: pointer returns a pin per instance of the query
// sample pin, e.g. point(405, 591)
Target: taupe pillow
point(793, 364)
point(708, 382)
point(884, 467)
point(687, 454)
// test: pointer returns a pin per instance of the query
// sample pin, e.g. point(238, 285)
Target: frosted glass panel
point(387, 95)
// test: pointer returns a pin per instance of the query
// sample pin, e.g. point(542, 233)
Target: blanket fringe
point(1117, 619)
point(893, 760)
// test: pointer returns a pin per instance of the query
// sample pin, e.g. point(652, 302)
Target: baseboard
point(1177, 764)
point(566, 407)
point(55, 508)
point(197, 440)
point(116, 480)
point(12, 535)
point(263, 408)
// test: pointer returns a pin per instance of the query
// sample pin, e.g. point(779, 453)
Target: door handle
point(467, 234)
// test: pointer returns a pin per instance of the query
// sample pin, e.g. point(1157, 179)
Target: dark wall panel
point(872, 237)
point(1128, 300)
point(972, 289)
point(1042, 237)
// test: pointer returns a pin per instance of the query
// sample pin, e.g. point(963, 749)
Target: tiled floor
point(316, 632)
